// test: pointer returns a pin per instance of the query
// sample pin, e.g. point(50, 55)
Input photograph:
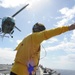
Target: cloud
point(18, 41)
point(52, 40)
point(49, 41)
point(37, 4)
point(65, 45)
point(67, 15)
point(67, 59)
point(33, 4)
point(73, 36)
point(7, 55)
point(12, 3)
point(56, 47)
point(65, 62)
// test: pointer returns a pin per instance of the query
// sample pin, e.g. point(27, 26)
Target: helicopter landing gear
point(11, 36)
point(11, 33)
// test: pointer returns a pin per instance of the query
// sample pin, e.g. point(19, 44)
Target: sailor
point(28, 51)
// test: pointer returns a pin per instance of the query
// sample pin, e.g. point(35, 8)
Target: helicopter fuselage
point(8, 24)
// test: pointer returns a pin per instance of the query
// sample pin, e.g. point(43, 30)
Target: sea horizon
point(5, 68)
point(66, 71)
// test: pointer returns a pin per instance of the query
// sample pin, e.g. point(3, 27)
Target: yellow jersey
point(29, 48)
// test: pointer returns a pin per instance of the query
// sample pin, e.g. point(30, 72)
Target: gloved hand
point(72, 26)
point(30, 65)
point(30, 69)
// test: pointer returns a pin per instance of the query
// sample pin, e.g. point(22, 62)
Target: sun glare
point(37, 4)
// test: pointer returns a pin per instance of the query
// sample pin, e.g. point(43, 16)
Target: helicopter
point(8, 24)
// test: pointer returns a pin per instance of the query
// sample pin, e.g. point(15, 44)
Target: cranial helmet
point(38, 27)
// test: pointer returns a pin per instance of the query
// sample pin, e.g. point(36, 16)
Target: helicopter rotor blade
point(20, 10)
point(17, 28)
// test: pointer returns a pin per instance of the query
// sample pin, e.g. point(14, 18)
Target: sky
point(57, 52)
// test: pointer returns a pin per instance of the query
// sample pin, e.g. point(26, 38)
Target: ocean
point(66, 72)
